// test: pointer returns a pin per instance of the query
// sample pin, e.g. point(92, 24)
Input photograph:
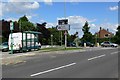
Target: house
point(104, 33)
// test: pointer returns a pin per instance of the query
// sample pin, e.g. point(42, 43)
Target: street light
point(11, 28)
point(96, 39)
point(51, 40)
point(109, 37)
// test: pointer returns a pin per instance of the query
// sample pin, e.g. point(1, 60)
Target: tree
point(87, 37)
point(56, 35)
point(117, 36)
point(45, 33)
point(25, 24)
point(86, 28)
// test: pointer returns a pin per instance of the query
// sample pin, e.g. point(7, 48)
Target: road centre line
point(96, 57)
point(52, 69)
point(115, 52)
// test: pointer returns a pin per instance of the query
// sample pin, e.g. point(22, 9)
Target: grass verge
point(59, 49)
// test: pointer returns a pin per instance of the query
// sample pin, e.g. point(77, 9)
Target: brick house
point(103, 33)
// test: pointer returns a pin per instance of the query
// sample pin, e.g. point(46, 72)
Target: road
point(101, 63)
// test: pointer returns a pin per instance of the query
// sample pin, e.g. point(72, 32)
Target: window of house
point(106, 35)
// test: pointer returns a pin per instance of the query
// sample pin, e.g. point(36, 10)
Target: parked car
point(87, 44)
point(4, 46)
point(71, 44)
point(108, 44)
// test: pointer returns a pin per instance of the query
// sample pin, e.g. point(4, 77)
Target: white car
point(108, 44)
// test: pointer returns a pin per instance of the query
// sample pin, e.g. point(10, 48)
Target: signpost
point(63, 26)
point(11, 28)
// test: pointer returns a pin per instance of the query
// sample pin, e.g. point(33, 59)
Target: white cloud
point(113, 8)
point(20, 1)
point(19, 7)
point(77, 22)
point(0, 9)
point(48, 2)
point(34, 5)
point(29, 17)
point(13, 19)
point(50, 25)
point(74, 0)
point(112, 27)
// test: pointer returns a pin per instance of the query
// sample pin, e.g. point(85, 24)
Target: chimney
point(107, 29)
point(100, 28)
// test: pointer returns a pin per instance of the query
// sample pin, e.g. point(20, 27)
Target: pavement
point(86, 63)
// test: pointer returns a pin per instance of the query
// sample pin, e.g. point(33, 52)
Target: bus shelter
point(30, 41)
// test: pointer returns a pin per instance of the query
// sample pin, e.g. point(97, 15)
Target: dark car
point(4, 46)
point(71, 44)
point(87, 44)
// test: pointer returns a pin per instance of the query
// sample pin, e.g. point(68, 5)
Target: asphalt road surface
point(101, 63)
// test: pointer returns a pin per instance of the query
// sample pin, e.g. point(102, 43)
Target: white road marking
point(96, 57)
point(115, 52)
point(52, 69)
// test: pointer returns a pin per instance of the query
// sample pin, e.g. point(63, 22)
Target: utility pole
point(96, 39)
point(51, 40)
point(11, 28)
point(65, 39)
point(61, 38)
point(20, 25)
point(65, 30)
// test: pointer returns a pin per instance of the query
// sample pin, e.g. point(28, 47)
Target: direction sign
point(11, 26)
point(63, 22)
point(63, 27)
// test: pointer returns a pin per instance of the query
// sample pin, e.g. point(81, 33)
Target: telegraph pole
point(11, 45)
point(65, 30)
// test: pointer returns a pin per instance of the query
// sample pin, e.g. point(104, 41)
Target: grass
point(59, 49)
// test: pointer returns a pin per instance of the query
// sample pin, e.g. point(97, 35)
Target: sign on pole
point(63, 25)
point(62, 21)
point(11, 26)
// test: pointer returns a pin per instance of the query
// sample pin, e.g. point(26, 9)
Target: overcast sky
point(98, 14)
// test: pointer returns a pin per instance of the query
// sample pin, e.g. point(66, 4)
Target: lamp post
point(11, 28)
point(51, 40)
point(96, 40)
point(109, 37)
point(65, 39)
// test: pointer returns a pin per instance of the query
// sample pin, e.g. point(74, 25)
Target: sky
point(98, 14)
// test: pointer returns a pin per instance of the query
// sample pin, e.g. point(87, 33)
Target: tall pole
point(51, 40)
point(65, 30)
point(11, 28)
point(65, 39)
point(11, 43)
point(20, 25)
point(96, 39)
point(61, 38)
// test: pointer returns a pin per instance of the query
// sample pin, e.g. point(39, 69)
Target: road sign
point(11, 26)
point(65, 33)
point(63, 27)
point(63, 22)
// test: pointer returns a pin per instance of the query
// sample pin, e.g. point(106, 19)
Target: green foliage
point(86, 28)
point(56, 36)
point(87, 37)
point(25, 24)
point(24, 18)
point(117, 36)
